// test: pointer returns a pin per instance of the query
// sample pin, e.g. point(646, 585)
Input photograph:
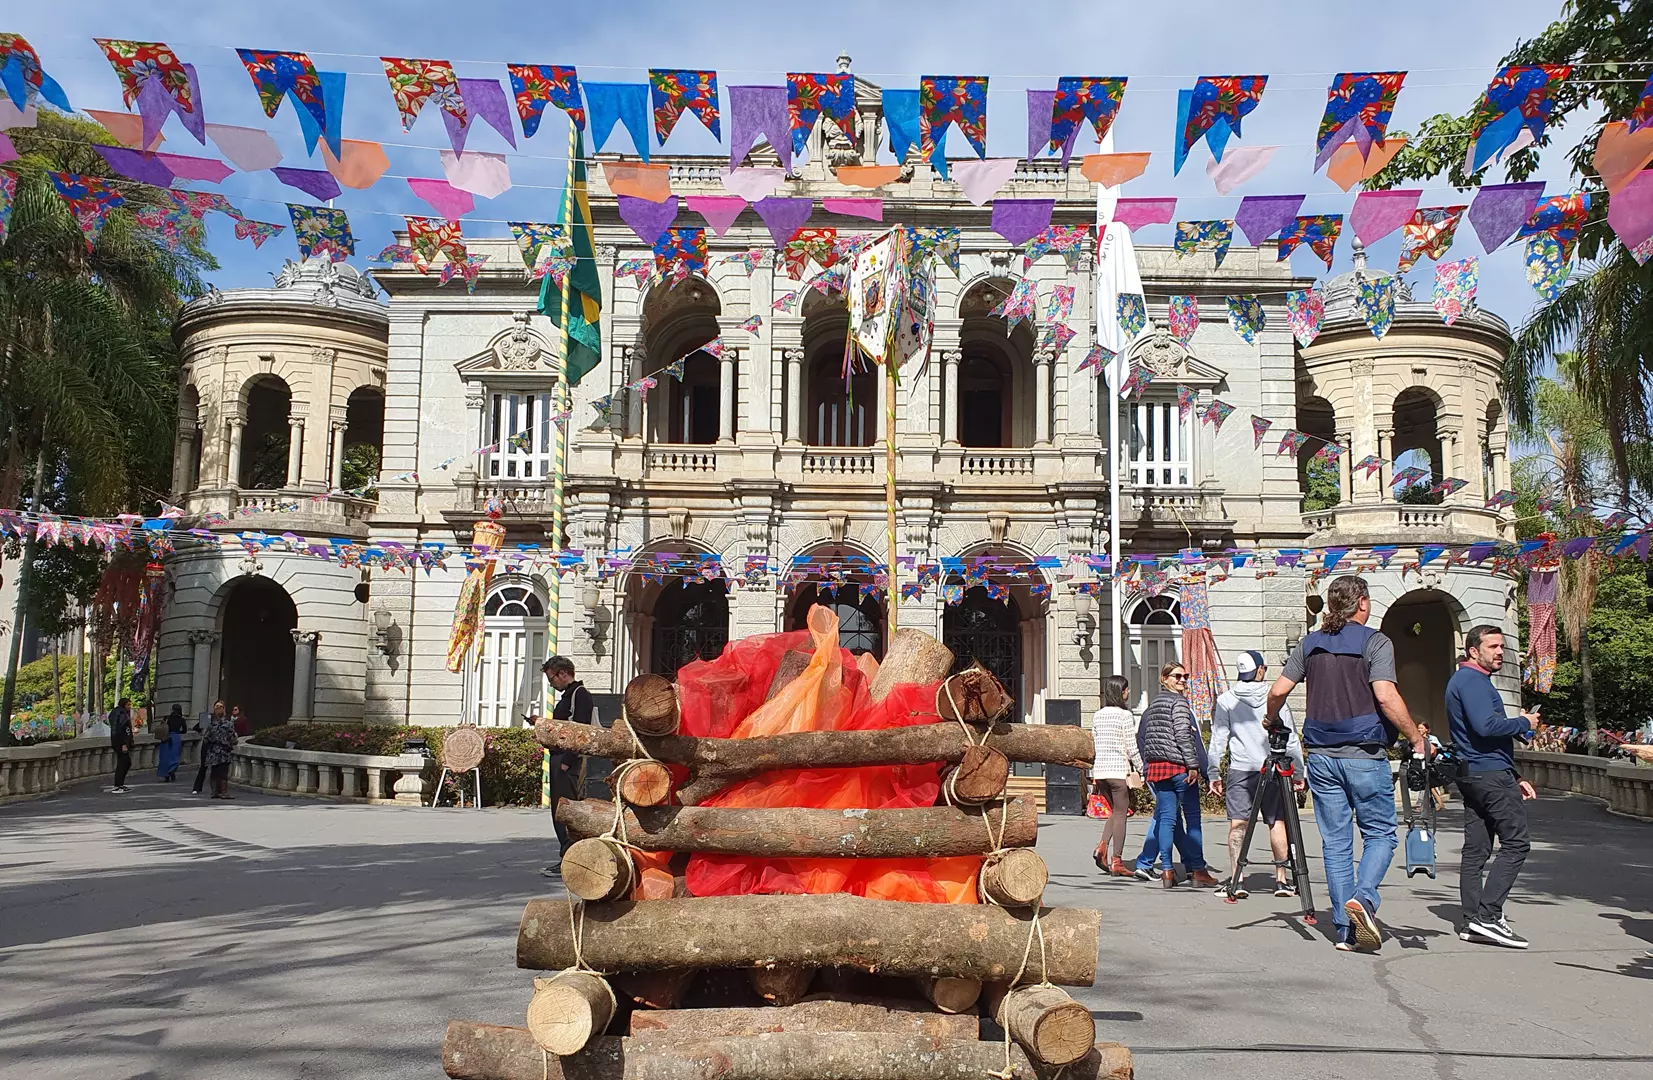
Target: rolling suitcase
point(1420, 828)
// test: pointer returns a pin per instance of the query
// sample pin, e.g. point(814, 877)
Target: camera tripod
point(1277, 772)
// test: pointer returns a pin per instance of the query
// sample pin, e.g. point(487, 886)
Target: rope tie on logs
point(1035, 931)
point(947, 790)
point(576, 933)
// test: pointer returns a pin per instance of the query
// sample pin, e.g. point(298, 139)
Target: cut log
point(973, 695)
point(568, 1010)
point(654, 989)
point(793, 662)
point(716, 763)
point(912, 657)
point(596, 869)
point(893, 1017)
point(1048, 1024)
point(476, 1051)
point(651, 705)
point(979, 777)
point(971, 941)
point(781, 985)
point(641, 782)
point(1013, 878)
point(950, 995)
point(933, 832)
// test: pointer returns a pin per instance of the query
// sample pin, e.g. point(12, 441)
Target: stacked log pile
point(646, 982)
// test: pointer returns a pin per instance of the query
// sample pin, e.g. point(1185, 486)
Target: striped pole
point(900, 271)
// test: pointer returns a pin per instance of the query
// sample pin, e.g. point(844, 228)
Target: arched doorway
point(515, 642)
point(1417, 442)
point(1424, 630)
point(690, 623)
point(1320, 481)
point(266, 439)
point(860, 618)
point(256, 663)
point(694, 402)
point(981, 629)
point(995, 405)
point(1155, 625)
point(364, 437)
point(839, 413)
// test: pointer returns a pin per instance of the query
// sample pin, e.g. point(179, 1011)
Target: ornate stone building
point(765, 451)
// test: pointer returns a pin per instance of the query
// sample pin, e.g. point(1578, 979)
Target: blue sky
point(1450, 50)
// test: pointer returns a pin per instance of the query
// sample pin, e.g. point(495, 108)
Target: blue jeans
point(1350, 791)
point(1176, 824)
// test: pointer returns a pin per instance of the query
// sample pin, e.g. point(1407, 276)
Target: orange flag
point(1111, 170)
point(1346, 169)
point(651, 182)
point(362, 165)
point(127, 128)
point(867, 176)
point(1620, 154)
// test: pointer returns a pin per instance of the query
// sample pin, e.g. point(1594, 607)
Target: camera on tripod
point(1279, 737)
point(1439, 770)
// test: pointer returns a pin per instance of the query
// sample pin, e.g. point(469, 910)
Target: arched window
point(983, 630)
point(1155, 624)
point(860, 618)
point(266, 439)
point(840, 413)
point(1417, 442)
point(515, 642)
point(364, 438)
point(690, 623)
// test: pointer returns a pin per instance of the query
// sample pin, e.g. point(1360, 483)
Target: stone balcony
point(1172, 509)
point(286, 510)
point(1406, 523)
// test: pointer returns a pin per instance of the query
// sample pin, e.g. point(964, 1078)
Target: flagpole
point(890, 383)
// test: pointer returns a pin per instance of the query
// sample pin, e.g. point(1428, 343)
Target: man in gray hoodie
point(1237, 731)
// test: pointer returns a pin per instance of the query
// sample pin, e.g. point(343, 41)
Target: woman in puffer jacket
point(1175, 755)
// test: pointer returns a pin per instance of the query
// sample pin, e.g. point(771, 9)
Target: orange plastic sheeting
point(830, 695)
point(867, 176)
point(1111, 170)
point(1347, 168)
point(361, 164)
point(1621, 153)
point(126, 128)
point(651, 182)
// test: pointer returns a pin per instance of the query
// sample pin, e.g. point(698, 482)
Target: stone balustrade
point(388, 778)
point(28, 772)
point(1625, 787)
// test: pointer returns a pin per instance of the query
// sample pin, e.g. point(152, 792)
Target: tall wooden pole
point(889, 490)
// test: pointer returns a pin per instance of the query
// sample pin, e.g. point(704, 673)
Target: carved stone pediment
point(1168, 358)
point(519, 350)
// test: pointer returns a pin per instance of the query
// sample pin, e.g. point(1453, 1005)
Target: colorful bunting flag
point(1066, 240)
point(1246, 317)
point(1212, 110)
point(433, 238)
point(1376, 214)
point(8, 195)
point(619, 103)
point(1371, 465)
point(1136, 382)
point(1559, 216)
point(1305, 308)
point(784, 301)
point(1359, 106)
point(393, 253)
point(680, 252)
point(1319, 231)
point(90, 199)
point(1212, 236)
point(677, 92)
point(1548, 266)
point(468, 268)
point(1329, 452)
point(257, 231)
point(1079, 98)
point(811, 95)
point(937, 242)
point(1259, 428)
point(535, 85)
point(531, 236)
point(1216, 413)
point(321, 230)
point(805, 246)
point(137, 62)
point(1498, 500)
point(1428, 234)
point(414, 82)
point(1098, 357)
point(1185, 401)
point(639, 270)
point(952, 99)
point(1455, 284)
point(1499, 209)
point(1132, 314)
point(1261, 216)
point(1060, 304)
point(1018, 304)
point(1513, 111)
point(23, 78)
point(753, 325)
point(1642, 115)
point(1184, 317)
point(1290, 443)
point(1375, 302)
point(747, 260)
point(1056, 337)
point(1450, 485)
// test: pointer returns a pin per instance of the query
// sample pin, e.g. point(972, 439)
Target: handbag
point(1096, 806)
point(1133, 779)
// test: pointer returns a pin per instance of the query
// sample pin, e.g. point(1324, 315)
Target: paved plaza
point(161, 935)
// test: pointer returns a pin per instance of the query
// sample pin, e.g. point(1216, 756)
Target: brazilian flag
point(582, 336)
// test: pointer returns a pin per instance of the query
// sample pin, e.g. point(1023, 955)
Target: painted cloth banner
point(1319, 231)
point(1212, 236)
point(1184, 317)
point(809, 96)
point(1455, 284)
point(680, 252)
point(677, 92)
point(1212, 111)
point(1538, 668)
point(1079, 98)
point(414, 82)
point(536, 85)
point(1428, 235)
point(1375, 303)
point(1359, 106)
point(90, 200)
point(1246, 317)
point(1305, 308)
point(321, 230)
point(952, 99)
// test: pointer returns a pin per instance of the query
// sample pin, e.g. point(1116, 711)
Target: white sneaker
point(117, 791)
point(1497, 932)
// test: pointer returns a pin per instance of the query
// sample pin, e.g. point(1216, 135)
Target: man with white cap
point(1237, 731)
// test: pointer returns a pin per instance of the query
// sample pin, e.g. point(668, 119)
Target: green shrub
point(510, 757)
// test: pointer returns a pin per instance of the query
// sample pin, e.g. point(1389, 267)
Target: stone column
point(950, 396)
point(232, 466)
point(726, 404)
point(1041, 398)
point(1386, 471)
point(336, 481)
point(1345, 468)
point(295, 450)
point(795, 395)
point(200, 674)
point(182, 445)
point(304, 668)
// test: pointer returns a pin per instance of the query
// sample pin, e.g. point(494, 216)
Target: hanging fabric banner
point(279, 74)
point(1561, 217)
point(484, 100)
point(1240, 165)
point(810, 95)
point(1548, 266)
point(22, 76)
point(647, 219)
point(321, 230)
point(806, 246)
point(784, 217)
point(1319, 231)
point(1375, 302)
point(1262, 216)
point(249, 149)
point(1039, 105)
point(442, 196)
point(536, 85)
point(1080, 98)
point(1359, 106)
point(1216, 413)
point(1455, 284)
point(1376, 214)
point(1132, 314)
point(940, 242)
point(1538, 668)
point(483, 174)
point(1259, 429)
point(981, 180)
point(680, 252)
point(1135, 213)
point(1349, 168)
point(1246, 317)
point(1020, 220)
point(1290, 443)
point(1111, 170)
point(1305, 308)
point(414, 82)
point(619, 103)
point(90, 200)
point(434, 238)
point(677, 92)
point(720, 211)
point(1428, 234)
point(1499, 209)
point(759, 112)
point(1184, 318)
point(257, 231)
point(1066, 240)
point(960, 100)
point(1212, 236)
point(1212, 111)
point(8, 195)
point(1513, 111)
point(531, 236)
point(1018, 305)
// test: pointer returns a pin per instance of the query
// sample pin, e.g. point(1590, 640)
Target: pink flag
point(1135, 213)
point(481, 174)
point(1630, 213)
point(720, 211)
point(981, 179)
point(443, 197)
point(1238, 165)
point(1376, 214)
point(871, 209)
point(251, 149)
point(752, 184)
point(195, 168)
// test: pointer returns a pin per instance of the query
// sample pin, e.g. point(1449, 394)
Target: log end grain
point(651, 705)
point(912, 657)
point(598, 869)
point(781, 985)
point(568, 1010)
point(1048, 1024)
point(950, 995)
point(643, 782)
point(979, 777)
point(1014, 877)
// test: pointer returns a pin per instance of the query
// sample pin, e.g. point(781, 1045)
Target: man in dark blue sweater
point(1484, 737)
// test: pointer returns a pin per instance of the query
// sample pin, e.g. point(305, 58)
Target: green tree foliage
point(1620, 653)
point(361, 468)
point(1321, 485)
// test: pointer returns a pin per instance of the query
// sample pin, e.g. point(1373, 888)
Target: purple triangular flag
point(135, 164)
point(1500, 209)
point(484, 100)
point(185, 167)
point(317, 183)
point(1135, 213)
point(755, 111)
point(1376, 214)
point(647, 219)
point(1039, 103)
point(1020, 220)
point(1261, 216)
point(783, 216)
point(155, 103)
point(720, 211)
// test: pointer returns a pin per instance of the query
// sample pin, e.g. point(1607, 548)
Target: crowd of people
point(1340, 754)
point(220, 731)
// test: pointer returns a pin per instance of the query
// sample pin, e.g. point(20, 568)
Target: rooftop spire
point(844, 62)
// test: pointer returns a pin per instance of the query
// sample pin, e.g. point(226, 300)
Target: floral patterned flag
point(1559, 216)
point(952, 99)
point(1548, 266)
point(393, 253)
point(535, 85)
point(1329, 452)
point(1304, 310)
point(1290, 443)
point(1519, 96)
point(136, 62)
point(1184, 317)
point(1642, 115)
point(321, 230)
point(809, 95)
point(713, 347)
point(1132, 313)
point(806, 245)
point(642, 386)
point(1098, 357)
point(1212, 110)
point(1018, 304)
point(1216, 412)
point(1359, 105)
point(1450, 485)
point(1212, 236)
point(1375, 302)
point(677, 367)
point(1319, 231)
point(468, 268)
point(8, 194)
point(1056, 337)
point(1080, 98)
point(557, 267)
point(1246, 317)
point(1185, 401)
point(1498, 500)
point(278, 74)
point(639, 270)
point(90, 199)
point(413, 82)
point(1455, 284)
point(531, 236)
point(784, 301)
point(1428, 234)
point(605, 408)
point(1259, 428)
point(676, 92)
point(1067, 240)
point(941, 242)
point(681, 252)
point(752, 325)
point(1371, 465)
point(1060, 304)
point(1136, 382)
point(22, 77)
point(257, 231)
point(746, 260)
point(433, 237)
